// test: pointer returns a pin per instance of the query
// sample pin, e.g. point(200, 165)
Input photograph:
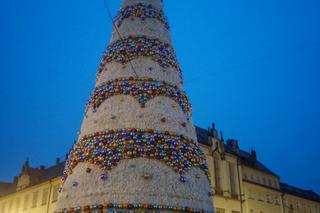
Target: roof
point(308, 194)
point(246, 158)
point(202, 135)
point(6, 188)
point(54, 171)
point(45, 174)
point(37, 176)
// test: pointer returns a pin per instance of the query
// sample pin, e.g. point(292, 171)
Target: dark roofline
point(295, 191)
point(244, 156)
point(202, 136)
point(6, 183)
point(40, 174)
point(259, 184)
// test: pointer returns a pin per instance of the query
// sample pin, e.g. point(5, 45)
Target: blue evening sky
point(250, 66)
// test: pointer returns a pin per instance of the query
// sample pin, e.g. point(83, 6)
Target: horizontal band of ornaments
point(141, 11)
point(134, 46)
point(126, 208)
point(107, 148)
point(143, 89)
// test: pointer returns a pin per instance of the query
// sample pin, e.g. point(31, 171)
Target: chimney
point(15, 180)
point(253, 154)
point(57, 161)
point(221, 137)
point(212, 131)
point(26, 164)
point(233, 144)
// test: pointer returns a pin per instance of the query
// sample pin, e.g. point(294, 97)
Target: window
point(217, 175)
point(45, 194)
point(258, 179)
point(250, 194)
point(290, 210)
point(17, 204)
point(10, 205)
point(245, 176)
point(276, 200)
point(34, 199)
point(252, 177)
point(220, 210)
point(264, 181)
point(3, 207)
point(268, 198)
point(260, 196)
point(55, 193)
point(269, 182)
point(232, 179)
point(25, 202)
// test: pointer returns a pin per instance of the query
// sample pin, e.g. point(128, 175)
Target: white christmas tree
point(137, 149)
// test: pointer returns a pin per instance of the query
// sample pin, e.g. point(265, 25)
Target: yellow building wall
point(260, 177)
point(227, 205)
point(260, 192)
point(261, 199)
point(40, 198)
point(224, 201)
point(294, 204)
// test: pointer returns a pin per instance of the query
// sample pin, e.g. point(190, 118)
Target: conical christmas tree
point(137, 149)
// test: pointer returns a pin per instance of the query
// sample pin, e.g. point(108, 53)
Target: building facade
point(242, 184)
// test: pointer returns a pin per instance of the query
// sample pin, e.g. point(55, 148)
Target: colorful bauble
point(106, 149)
point(130, 208)
point(143, 89)
point(104, 176)
point(141, 11)
point(134, 46)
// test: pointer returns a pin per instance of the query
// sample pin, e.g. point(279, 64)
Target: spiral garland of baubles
point(135, 46)
point(143, 89)
point(141, 11)
point(107, 148)
point(129, 208)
